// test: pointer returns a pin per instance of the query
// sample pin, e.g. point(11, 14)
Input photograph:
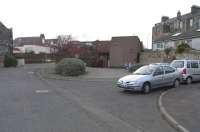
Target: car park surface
point(73, 106)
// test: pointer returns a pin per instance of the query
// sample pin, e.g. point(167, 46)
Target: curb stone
point(168, 117)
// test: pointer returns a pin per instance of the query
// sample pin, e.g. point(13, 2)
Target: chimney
point(195, 9)
point(164, 18)
point(42, 36)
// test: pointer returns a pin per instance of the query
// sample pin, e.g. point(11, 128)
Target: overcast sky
point(89, 19)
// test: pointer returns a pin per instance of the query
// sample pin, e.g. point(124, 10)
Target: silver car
point(149, 77)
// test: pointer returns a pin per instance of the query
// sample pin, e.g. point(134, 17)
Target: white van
point(190, 69)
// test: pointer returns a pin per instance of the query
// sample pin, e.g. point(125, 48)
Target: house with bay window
point(172, 31)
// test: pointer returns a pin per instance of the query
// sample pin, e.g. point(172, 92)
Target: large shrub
point(182, 48)
point(70, 67)
point(10, 61)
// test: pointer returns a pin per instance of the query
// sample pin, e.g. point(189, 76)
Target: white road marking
point(42, 91)
point(30, 72)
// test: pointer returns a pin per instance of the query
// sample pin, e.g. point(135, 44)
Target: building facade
point(172, 31)
point(6, 41)
point(124, 50)
point(35, 45)
point(119, 51)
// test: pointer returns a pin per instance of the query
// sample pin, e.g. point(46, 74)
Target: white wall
point(34, 48)
point(196, 43)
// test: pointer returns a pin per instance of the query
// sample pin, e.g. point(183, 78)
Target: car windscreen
point(178, 64)
point(145, 70)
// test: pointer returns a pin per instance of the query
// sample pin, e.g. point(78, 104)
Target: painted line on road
point(42, 91)
point(168, 117)
point(30, 72)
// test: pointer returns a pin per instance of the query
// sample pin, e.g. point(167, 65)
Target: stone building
point(172, 31)
point(6, 41)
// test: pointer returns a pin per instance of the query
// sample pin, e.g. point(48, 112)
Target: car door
point(157, 80)
point(169, 76)
point(195, 70)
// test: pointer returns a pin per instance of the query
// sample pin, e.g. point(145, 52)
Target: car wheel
point(146, 88)
point(189, 80)
point(176, 83)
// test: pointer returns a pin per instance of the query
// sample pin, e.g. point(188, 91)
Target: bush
point(10, 61)
point(182, 48)
point(135, 67)
point(70, 67)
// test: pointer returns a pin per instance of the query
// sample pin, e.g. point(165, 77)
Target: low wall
point(159, 56)
point(151, 57)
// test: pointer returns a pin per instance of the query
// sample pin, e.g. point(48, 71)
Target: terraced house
point(172, 31)
point(6, 41)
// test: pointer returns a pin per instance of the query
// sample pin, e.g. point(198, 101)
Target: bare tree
point(62, 43)
point(63, 40)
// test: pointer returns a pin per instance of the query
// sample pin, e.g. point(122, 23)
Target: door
point(195, 70)
point(169, 76)
point(157, 80)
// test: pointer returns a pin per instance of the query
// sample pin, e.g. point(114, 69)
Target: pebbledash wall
point(148, 57)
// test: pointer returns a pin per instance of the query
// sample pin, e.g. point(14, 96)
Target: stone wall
point(159, 56)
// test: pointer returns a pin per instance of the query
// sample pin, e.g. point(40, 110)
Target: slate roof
point(182, 36)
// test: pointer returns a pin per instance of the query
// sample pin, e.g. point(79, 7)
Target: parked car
point(149, 77)
point(190, 69)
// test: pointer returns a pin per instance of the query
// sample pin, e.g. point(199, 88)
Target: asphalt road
point(32, 104)
point(183, 105)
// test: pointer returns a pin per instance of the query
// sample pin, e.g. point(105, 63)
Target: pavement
point(183, 105)
point(29, 103)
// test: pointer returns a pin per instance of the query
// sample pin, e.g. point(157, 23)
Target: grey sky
point(89, 19)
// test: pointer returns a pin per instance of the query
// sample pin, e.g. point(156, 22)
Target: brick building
point(124, 50)
point(119, 51)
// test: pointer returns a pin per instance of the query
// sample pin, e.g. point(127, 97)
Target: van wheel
point(176, 83)
point(189, 80)
point(146, 88)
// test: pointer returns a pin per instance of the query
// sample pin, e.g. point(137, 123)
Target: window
point(188, 64)
point(159, 71)
point(191, 22)
point(194, 64)
point(199, 23)
point(181, 25)
point(160, 46)
point(169, 69)
point(178, 64)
